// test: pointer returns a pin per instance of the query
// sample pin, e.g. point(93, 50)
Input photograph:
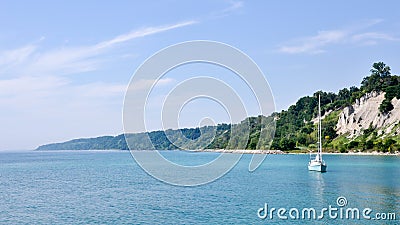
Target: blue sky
point(64, 66)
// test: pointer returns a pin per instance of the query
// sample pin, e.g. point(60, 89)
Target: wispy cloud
point(14, 57)
point(317, 43)
point(141, 33)
point(233, 6)
point(35, 75)
point(372, 38)
point(31, 60)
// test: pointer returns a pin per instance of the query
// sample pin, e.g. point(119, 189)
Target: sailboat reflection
point(319, 185)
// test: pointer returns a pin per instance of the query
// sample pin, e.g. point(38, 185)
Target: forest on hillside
point(294, 126)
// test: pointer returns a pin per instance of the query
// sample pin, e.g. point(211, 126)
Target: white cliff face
point(365, 112)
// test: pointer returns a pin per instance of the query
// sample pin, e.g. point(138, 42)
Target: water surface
point(108, 187)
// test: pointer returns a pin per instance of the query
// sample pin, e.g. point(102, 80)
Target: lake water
point(92, 187)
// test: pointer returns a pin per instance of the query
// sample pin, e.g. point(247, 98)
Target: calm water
point(85, 187)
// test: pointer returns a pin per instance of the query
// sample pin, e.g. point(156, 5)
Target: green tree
point(379, 78)
point(287, 144)
point(386, 106)
point(369, 144)
point(353, 144)
point(389, 145)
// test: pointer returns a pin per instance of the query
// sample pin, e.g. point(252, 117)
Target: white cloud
point(67, 60)
point(314, 44)
point(16, 56)
point(141, 33)
point(234, 5)
point(374, 36)
point(317, 43)
point(63, 61)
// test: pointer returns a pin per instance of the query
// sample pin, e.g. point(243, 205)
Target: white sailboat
point(317, 164)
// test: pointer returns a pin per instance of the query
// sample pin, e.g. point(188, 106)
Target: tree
point(379, 78)
point(386, 106)
point(380, 69)
point(287, 144)
point(369, 144)
point(344, 94)
point(388, 145)
point(353, 144)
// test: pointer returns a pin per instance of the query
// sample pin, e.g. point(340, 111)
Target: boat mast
point(319, 129)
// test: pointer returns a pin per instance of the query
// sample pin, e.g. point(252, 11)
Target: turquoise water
point(91, 187)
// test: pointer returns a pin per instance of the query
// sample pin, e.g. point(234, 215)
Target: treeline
point(98, 143)
point(295, 127)
point(251, 133)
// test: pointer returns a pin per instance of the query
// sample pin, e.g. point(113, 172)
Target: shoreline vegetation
point(247, 151)
point(295, 152)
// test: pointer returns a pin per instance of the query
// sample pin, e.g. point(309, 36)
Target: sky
point(65, 65)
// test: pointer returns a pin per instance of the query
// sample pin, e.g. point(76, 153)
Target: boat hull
point(317, 167)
